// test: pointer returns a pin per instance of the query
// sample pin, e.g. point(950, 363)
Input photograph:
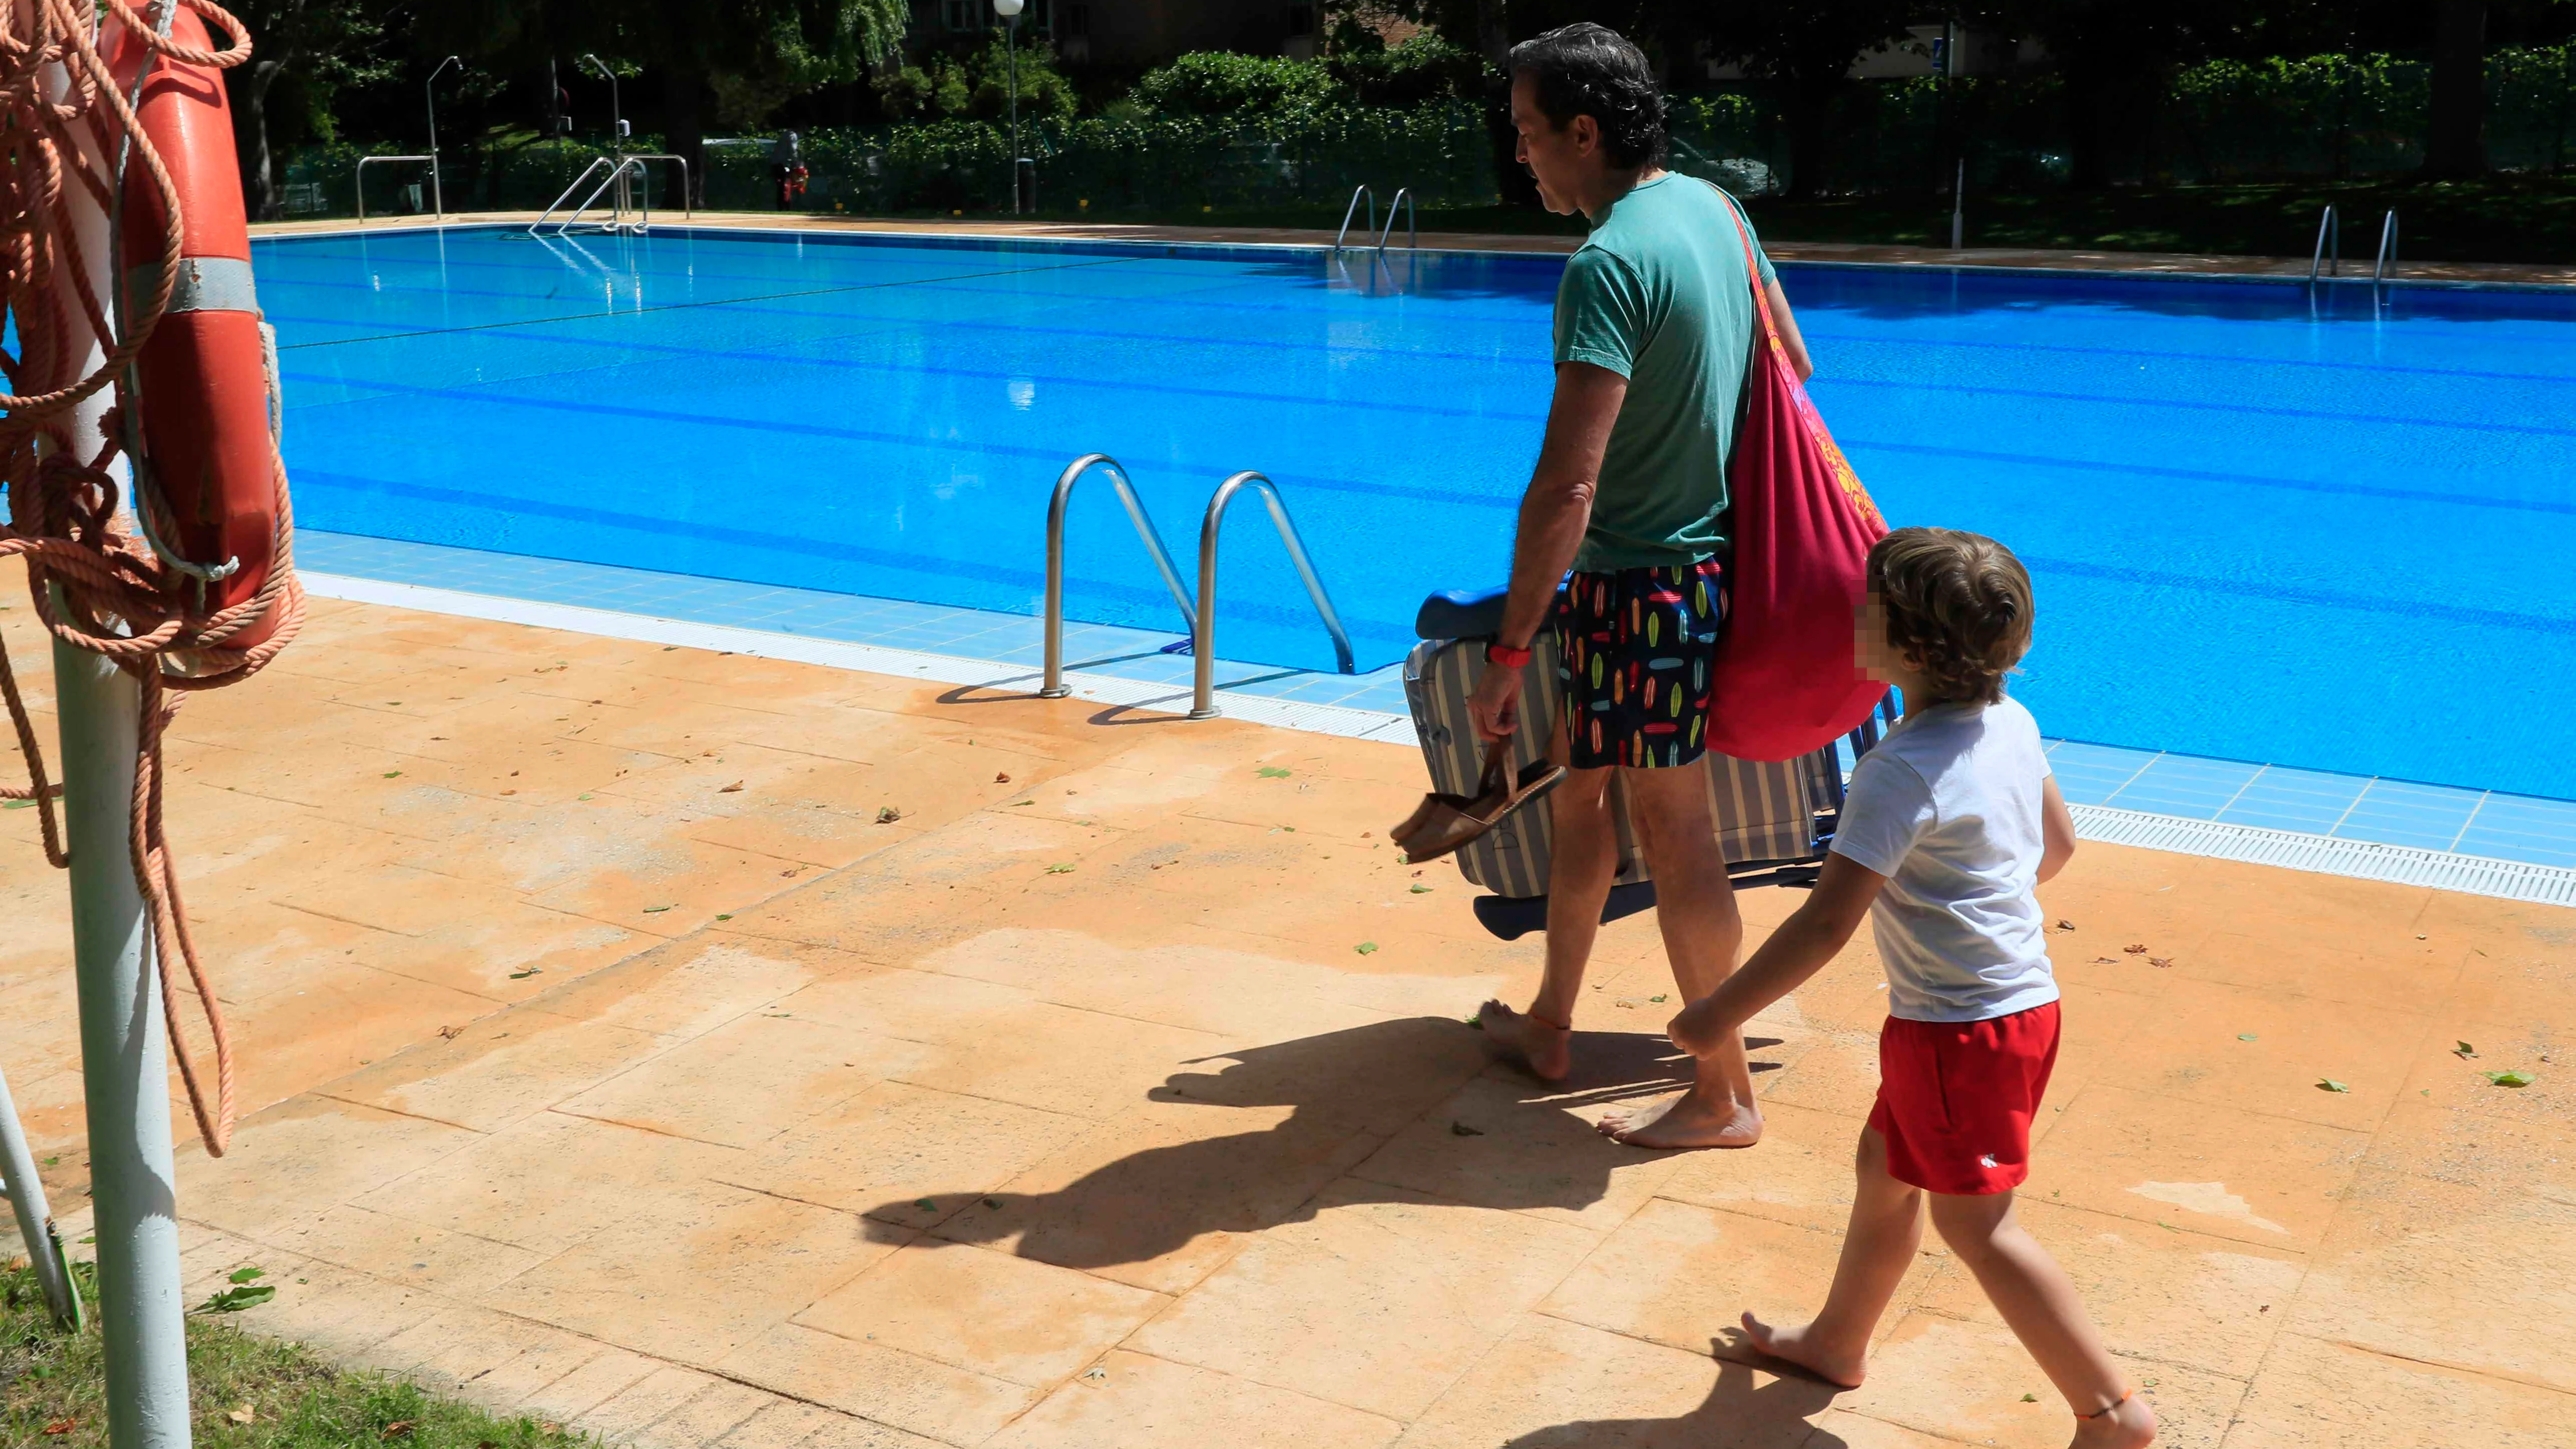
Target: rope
point(98, 587)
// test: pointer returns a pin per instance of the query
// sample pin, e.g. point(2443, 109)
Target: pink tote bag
point(1786, 680)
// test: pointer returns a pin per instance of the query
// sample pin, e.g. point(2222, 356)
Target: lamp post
point(1009, 10)
point(429, 92)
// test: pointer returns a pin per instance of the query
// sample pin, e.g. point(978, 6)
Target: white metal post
point(35, 1219)
point(125, 1072)
point(1959, 204)
point(429, 93)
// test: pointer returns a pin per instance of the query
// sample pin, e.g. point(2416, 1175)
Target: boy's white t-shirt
point(1947, 807)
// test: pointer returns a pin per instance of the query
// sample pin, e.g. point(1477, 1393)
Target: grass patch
point(246, 1392)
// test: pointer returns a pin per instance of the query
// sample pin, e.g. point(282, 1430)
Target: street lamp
point(429, 91)
point(1009, 10)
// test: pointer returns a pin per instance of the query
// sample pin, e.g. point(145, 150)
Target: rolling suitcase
point(1773, 819)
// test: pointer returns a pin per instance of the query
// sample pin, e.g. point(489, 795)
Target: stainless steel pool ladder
point(624, 168)
point(1198, 616)
point(1203, 633)
point(1055, 687)
point(1403, 198)
point(2387, 251)
point(2329, 226)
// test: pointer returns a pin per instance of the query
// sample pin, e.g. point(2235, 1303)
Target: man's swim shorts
point(1635, 650)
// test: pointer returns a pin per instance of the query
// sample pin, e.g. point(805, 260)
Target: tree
point(1806, 46)
point(2455, 144)
point(305, 53)
point(740, 58)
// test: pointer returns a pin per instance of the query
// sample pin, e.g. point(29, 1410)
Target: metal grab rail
point(1412, 226)
point(1353, 210)
point(2387, 249)
point(1203, 633)
point(361, 174)
point(1055, 687)
point(548, 214)
point(620, 166)
point(2327, 225)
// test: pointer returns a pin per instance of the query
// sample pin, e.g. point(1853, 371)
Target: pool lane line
point(677, 352)
point(1395, 633)
point(668, 307)
point(2318, 598)
point(2183, 405)
point(2196, 475)
point(1050, 456)
point(2563, 378)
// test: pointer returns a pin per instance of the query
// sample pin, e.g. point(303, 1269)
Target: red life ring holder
point(210, 416)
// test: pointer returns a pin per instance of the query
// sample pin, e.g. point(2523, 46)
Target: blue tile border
point(2521, 828)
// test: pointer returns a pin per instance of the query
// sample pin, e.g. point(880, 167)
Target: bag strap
point(1498, 766)
point(1752, 264)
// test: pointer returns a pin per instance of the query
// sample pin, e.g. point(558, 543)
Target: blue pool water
point(2320, 535)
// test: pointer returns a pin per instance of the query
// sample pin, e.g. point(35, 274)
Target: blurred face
point(1564, 159)
point(1870, 650)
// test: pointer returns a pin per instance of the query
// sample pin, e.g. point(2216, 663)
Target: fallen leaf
point(390, 774)
point(524, 975)
point(2139, 949)
point(2160, 960)
point(655, 910)
point(1060, 868)
point(725, 916)
point(2329, 1084)
point(790, 872)
point(2464, 1051)
point(1421, 890)
point(241, 1414)
point(1461, 1129)
point(1095, 1372)
point(234, 1300)
point(1273, 772)
point(1366, 948)
point(2508, 1079)
point(733, 789)
point(1017, 803)
point(60, 1427)
point(450, 1033)
point(509, 792)
point(582, 796)
point(1654, 998)
point(1001, 779)
point(2065, 925)
point(2106, 960)
point(246, 1275)
point(887, 815)
point(2246, 1036)
point(992, 1202)
point(398, 1429)
point(2030, 1398)
point(925, 1204)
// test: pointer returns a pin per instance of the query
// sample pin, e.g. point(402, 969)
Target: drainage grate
point(2399, 864)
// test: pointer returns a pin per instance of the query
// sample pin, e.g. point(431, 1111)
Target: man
point(1655, 325)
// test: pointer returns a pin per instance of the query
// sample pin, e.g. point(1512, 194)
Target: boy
point(1949, 824)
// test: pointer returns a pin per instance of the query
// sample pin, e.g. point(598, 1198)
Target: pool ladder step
point(1198, 616)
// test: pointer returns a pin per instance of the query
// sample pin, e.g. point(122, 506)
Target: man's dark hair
point(1591, 70)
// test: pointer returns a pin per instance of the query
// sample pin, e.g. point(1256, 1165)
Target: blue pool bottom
point(2344, 807)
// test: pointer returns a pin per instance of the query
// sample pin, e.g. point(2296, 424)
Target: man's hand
point(1496, 704)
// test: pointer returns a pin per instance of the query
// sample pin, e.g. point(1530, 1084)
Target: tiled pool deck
point(2265, 796)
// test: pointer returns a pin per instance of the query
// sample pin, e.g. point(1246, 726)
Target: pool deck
point(607, 1056)
point(2018, 258)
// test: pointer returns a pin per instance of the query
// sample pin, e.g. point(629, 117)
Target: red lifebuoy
point(209, 419)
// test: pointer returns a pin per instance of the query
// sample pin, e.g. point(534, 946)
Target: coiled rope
point(96, 587)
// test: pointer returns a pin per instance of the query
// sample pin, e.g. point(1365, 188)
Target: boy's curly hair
point(1959, 603)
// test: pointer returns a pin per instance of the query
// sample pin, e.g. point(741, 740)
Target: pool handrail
point(548, 214)
point(1203, 632)
point(359, 183)
point(1412, 224)
point(1054, 686)
point(1352, 210)
point(2387, 250)
point(619, 164)
point(2328, 224)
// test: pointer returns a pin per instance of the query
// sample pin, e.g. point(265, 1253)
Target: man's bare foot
point(1799, 1346)
point(1685, 1121)
point(1543, 1047)
point(2132, 1425)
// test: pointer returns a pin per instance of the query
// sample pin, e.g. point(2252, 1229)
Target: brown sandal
point(1445, 822)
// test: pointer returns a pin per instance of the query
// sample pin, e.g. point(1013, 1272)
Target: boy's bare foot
point(1688, 1120)
point(1544, 1047)
point(1796, 1346)
point(2131, 1425)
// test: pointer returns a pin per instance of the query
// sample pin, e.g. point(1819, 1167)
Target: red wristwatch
point(1506, 657)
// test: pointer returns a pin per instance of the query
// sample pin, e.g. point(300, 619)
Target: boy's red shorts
point(1955, 1099)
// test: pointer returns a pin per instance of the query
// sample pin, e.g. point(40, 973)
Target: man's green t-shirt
point(1659, 296)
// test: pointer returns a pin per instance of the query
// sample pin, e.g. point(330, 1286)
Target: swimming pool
point(2317, 534)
